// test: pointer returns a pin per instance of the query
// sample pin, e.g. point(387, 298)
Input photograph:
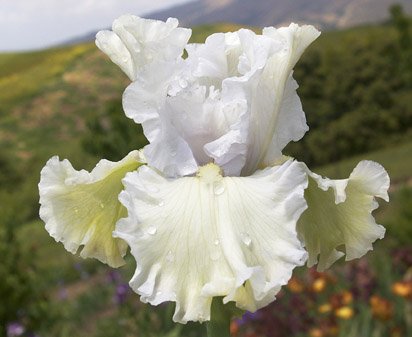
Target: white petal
point(136, 42)
point(195, 238)
point(275, 105)
point(111, 44)
point(339, 214)
point(81, 208)
point(145, 101)
point(291, 124)
point(256, 69)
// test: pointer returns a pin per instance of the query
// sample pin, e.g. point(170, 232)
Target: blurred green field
point(357, 94)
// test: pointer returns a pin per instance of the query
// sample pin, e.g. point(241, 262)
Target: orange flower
point(341, 299)
point(403, 289)
point(347, 297)
point(324, 308)
point(319, 285)
point(234, 328)
point(344, 313)
point(381, 308)
point(295, 285)
point(316, 332)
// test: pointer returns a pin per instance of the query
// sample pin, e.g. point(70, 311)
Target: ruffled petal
point(136, 42)
point(146, 102)
point(276, 112)
point(232, 101)
point(338, 220)
point(82, 208)
point(255, 69)
point(195, 238)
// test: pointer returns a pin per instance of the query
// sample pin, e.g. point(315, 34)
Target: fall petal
point(81, 208)
point(338, 220)
point(195, 238)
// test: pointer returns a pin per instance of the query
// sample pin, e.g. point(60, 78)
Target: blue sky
point(34, 24)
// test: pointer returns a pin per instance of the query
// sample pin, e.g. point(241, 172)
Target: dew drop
point(160, 203)
point(183, 83)
point(101, 205)
point(216, 242)
point(218, 187)
point(173, 153)
point(125, 59)
point(246, 239)
point(76, 211)
point(158, 293)
point(152, 230)
point(152, 189)
point(170, 257)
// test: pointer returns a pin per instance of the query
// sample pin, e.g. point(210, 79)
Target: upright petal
point(146, 102)
point(136, 42)
point(338, 219)
point(275, 105)
point(82, 208)
point(195, 238)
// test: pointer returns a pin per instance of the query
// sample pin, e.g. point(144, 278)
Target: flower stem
point(221, 315)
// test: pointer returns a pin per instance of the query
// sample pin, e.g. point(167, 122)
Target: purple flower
point(249, 316)
point(122, 292)
point(15, 329)
point(113, 276)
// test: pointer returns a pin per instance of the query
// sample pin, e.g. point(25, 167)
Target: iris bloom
point(211, 207)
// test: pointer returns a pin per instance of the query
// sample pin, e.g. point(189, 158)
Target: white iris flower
point(211, 207)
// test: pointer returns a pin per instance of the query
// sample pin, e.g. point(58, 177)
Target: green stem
point(221, 315)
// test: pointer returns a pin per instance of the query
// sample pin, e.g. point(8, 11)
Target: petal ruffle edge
point(195, 238)
point(136, 42)
point(339, 218)
point(82, 208)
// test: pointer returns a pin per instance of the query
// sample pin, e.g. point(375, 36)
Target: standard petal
point(338, 220)
point(195, 238)
point(256, 69)
point(81, 208)
point(136, 42)
point(145, 101)
point(275, 105)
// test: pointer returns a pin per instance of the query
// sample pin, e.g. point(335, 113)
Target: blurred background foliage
point(356, 89)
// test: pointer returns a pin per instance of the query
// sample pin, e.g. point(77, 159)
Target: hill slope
point(323, 13)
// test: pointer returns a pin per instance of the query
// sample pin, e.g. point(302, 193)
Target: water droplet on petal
point(158, 293)
point(246, 239)
point(183, 83)
point(152, 230)
point(160, 203)
point(216, 242)
point(218, 187)
point(170, 257)
point(125, 59)
point(101, 205)
point(76, 211)
point(152, 189)
point(173, 153)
